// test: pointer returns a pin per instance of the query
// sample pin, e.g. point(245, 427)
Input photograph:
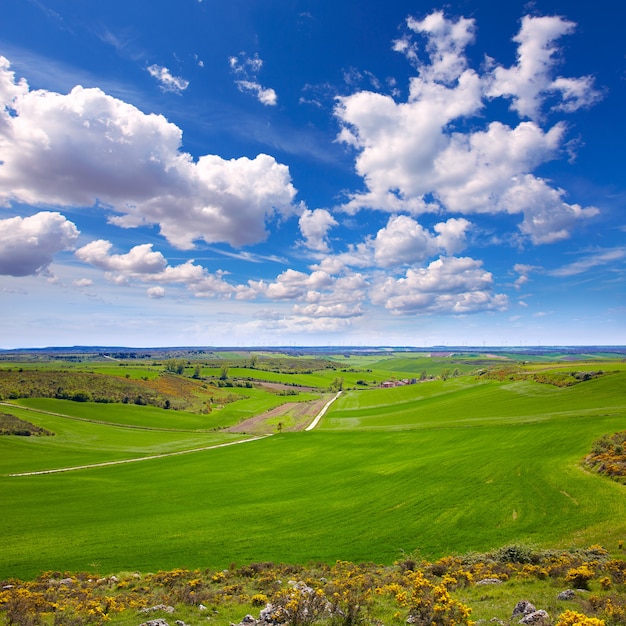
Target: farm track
point(143, 458)
point(319, 416)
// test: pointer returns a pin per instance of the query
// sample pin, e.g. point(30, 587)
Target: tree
point(224, 372)
point(337, 384)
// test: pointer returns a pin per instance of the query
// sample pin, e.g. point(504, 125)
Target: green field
point(434, 468)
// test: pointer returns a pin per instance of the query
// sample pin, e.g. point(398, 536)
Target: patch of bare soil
point(297, 416)
point(282, 387)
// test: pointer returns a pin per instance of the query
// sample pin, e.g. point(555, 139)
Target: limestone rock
point(536, 618)
point(523, 607)
point(489, 581)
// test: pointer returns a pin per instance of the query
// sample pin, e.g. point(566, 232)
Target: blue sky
point(259, 173)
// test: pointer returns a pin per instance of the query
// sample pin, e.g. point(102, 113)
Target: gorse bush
point(344, 594)
point(608, 456)
point(572, 618)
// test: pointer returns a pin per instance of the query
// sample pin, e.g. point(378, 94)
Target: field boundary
point(142, 458)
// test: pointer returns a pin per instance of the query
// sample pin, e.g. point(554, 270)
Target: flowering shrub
point(344, 594)
point(299, 606)
point(572, 618)
point(580, 576)
point(608, 456)
point(432, 605)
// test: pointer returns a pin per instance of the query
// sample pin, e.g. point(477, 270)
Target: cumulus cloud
point(86, 147)
point(247, 69)
point(168, 82)
point(531, 81)
point(318, 297)
point(446, 43)
point(402, 241)
point(28, 245)
point(156, 292)
point(405, 241)
point(140, 260)
point(447, 285)
point(314, 225)
point(413, 159)
point(141, 264)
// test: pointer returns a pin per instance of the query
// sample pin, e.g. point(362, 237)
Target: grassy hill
point(439, 467)
point(438, 483)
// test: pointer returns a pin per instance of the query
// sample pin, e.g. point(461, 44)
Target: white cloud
point(524, 271)
point(591, 261)
point(402, 241)
point(412, 159)
point(140, 260)
point(28, 245)
point(156, 292)
point(248, 68)
point(531, 81)
point(82, 282)
point(547, 217)
point(319, 298)
point(405, 241)
point(314, 226)
point(452, 234)
point(168, 82)
point(291, 284)
point(266, 96)
point(86, 147)
point(446, 45)
point(143, 265)
point(448, 285)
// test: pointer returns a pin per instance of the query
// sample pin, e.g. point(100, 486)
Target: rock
point(536, 618)
point(266, 614)
point(248, 620)
point(201, 607)
point(179, 622)
point(155, 622)
point(568, 594)
point(489, 581)
point(158, 607)
point(523, 607)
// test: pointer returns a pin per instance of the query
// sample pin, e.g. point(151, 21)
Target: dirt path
point(319, 416)
point(294, 416)
point(142, 458)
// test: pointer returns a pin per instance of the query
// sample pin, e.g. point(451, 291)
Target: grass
point(81, 442)
point(439, 467)
point(471, 402)
point(363, 496)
